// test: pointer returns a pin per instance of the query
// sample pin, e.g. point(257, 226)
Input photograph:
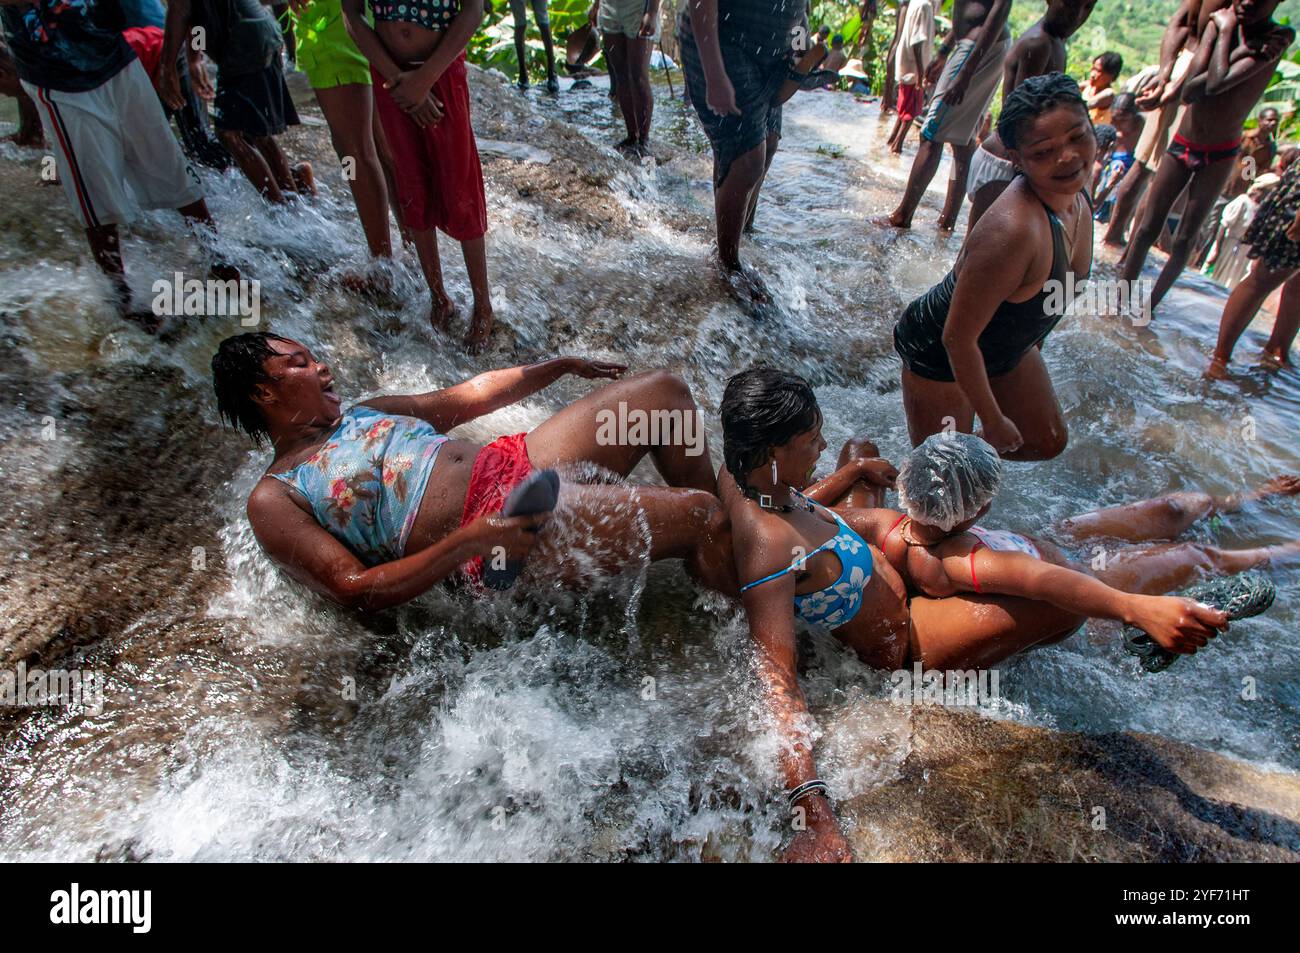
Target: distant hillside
point(1131, 28)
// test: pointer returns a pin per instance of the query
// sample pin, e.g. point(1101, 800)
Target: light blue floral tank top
point(365, 484)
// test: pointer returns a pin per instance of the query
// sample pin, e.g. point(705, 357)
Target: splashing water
point(615, 723)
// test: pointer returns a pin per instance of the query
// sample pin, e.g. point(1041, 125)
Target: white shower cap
point(948, 479)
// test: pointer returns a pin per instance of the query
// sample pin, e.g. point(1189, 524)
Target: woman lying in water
point(373, 505)
point(828, 552)
point(971, 345)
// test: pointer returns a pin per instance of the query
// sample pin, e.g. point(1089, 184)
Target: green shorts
point(326, 52)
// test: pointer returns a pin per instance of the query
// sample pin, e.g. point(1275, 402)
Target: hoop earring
point(774, 471)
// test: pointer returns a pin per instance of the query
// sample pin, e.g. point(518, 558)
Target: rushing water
point(622, 725)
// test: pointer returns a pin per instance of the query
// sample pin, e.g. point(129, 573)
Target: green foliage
point(493, 45)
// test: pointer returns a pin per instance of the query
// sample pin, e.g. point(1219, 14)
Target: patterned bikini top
point(839, 602)
point(430, 14)
point(365, 484)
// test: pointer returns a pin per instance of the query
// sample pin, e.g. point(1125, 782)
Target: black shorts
point(256, 104)
point(757, 81)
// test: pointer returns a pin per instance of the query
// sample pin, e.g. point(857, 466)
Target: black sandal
point(1239, 597)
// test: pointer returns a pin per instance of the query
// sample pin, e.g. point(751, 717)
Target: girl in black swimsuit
point(970, 345)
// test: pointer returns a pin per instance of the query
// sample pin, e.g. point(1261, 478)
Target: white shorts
point(985, 169)
point(114, 149)
point(624, 16)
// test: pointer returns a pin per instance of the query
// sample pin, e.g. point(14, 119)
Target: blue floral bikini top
point(365, 484)
point(430, 14)
point(838, 603)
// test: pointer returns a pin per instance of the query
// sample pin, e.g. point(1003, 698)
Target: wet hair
point(239, 365)
point(1031, 99)
point(1111, 63)
point(1106, 137)
point(948, 479)
point(1124, 103)
point(763, 408)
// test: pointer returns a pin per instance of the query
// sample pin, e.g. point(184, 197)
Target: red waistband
point(1215, 147)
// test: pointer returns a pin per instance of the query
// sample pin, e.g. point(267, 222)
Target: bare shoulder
point(764, 543)
point(269, 499)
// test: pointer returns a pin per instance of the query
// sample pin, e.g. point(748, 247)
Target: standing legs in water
point(442, 310)
point(924, 166)
point(349, 111)
point(1203, 186)
point(629, 61)
point(1242, 306)
point(735, 203)
point(1131, 189)
point(519, 11)
point(265, 165)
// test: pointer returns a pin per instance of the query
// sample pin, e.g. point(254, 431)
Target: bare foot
point(1217, 371)
point(1287, 484)
point(1115, 245)
point(892, 220)
point(441, 311)
point(480, 329)
point(304, 180)
point(749, 291)
point(373, 285)
point(948, 223)
point(1272, 360)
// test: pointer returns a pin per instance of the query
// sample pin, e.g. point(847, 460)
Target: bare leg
point(638, 57)
point(1025, 395)
point(441, 308)
point(961, 158)
point(576, 433)
point(607, 528)
point(1203, 191)
point(480, 324)
point(349, 110)
point(1127, 196)
point(772, 142)
point(1164, 567)
point(732, 200)
point(616, 46)
point(253, 165)
point(1168, 517)
point(277, 162)
point(548, 43)
point(521, 51)
point(1277, 351)
point(1171, 178)
point(106, 249)
point(924, 166)
point(1242, 306)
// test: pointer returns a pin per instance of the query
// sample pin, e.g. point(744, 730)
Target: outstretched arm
point(1179, 625)
point(304, 549)
point(490, 391)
